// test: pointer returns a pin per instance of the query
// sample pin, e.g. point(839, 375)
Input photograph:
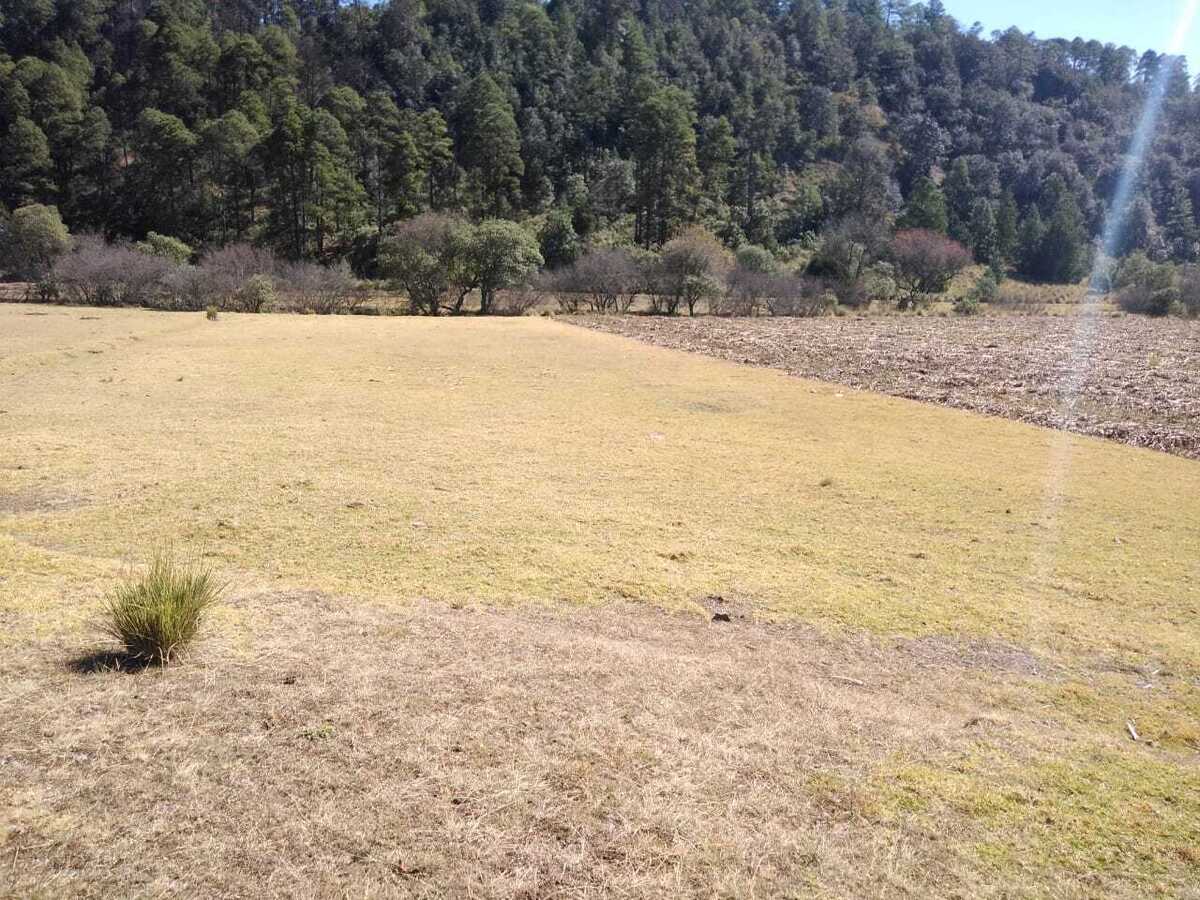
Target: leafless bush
point(518, 301)
point(745, 292)
point(606, 278)
point(97, 273)
point(568, 301)
point(228, 270)
point(321, 289)
point(1189, 290)
point(925, 263)
point(191, 289)
point(798, 295)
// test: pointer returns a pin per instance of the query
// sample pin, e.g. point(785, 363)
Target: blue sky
point(1141, 24)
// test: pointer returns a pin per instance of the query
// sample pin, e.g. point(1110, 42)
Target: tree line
point(313, 127)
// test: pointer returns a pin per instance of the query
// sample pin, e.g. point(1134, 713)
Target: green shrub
point(986, 288)
point(165, 246)
point(31, 240)
point(967, 305)
point(155, 616)
point(1145, 287)
point(257, 294)
point(211, 313)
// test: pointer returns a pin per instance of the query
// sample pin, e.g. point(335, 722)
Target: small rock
point(721, 617)
point(355, 504)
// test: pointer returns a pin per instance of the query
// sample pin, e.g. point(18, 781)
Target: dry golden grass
point(363, 750)
point(1008, 597)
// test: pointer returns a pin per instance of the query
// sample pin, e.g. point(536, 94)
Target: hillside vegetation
point(312, 125)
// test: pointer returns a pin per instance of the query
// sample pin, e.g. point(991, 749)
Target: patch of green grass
point(155, 615)
point(1091, 812)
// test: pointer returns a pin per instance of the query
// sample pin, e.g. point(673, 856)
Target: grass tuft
point(156, 615)
point(212, 313)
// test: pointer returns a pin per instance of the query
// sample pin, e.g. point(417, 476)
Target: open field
point(1138, 379)
point(468, 647)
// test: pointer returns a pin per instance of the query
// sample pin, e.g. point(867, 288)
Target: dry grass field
point(468, 648)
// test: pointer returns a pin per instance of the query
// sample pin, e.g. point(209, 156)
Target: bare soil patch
point(36, 501)
point(1129, 379)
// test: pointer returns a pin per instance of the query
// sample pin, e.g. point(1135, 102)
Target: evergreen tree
point(1179, 229)
point(960, 196)
point(663, 141)
point(985, 239)
point(311, 118)
point(1006, 228)
point(489, 143)
point(25, 164)
point(558, 240)
point(926, 207)
point(1064, 251)
point(1029, 245)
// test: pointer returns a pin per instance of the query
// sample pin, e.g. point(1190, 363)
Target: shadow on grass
point(102, 661)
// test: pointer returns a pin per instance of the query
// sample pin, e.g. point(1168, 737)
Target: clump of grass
point(156, 615)
point(211, 314)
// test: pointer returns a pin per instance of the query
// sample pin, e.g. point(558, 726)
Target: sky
point(1141, 24)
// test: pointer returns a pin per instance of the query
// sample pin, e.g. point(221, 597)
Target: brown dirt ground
point(1138, 379)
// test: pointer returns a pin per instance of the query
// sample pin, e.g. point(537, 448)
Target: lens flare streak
point(1083, 340)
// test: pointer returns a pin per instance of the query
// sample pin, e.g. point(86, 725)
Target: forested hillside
point(309, 126)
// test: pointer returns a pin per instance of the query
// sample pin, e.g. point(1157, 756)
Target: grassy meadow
point(467, 649)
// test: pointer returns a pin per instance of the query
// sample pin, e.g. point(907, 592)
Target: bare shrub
point(519, 300)
point(559, 285)
point(229, 269)
point(925, 263)
point(1189, 290)
point(746, 290)
point(802, 296)
point(689, 270)
point(606, 278)
point(191, 289)
point(325, 290)
point(748, 285)
point(97, 273)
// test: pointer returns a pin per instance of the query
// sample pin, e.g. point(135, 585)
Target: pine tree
point(1064, 246)
point(437, 150)
point(1029, 245)
point(926, 207)
point(25, 164)
point(1180, 227)
point(960, 195)
point(663, 141)
point(1006, 227)
point(489, 143)
point(985, 241)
